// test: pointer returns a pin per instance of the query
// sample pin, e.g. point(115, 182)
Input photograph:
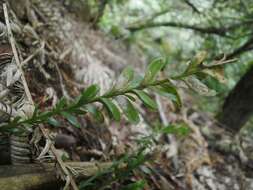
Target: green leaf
point(111, 108)
point(95, 112)
point(35, 112)
point(131, 113)
point(54, 122)
point(88, 94)
point(128, 73)
point(61, 103)
point(130, 97)
point(177, 129)
point(145, 98)
point(153, 68)
point(125, 77)
point(136, 81)
point(170, 91)
point(198, 86)
point(72, 119)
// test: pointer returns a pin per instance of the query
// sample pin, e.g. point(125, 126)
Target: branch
point(222, 31)
point(207, 30)
point(192, 6)
point(247, 46)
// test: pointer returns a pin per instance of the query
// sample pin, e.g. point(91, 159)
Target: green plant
point(120, 170)
point(129, 86)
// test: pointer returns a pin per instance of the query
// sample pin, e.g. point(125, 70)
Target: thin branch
point(12, 42)
point(247, 46)
point(59, 160)
point(190, 4)
point(207, 30)
point(222, 31)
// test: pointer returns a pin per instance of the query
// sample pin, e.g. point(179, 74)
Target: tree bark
point(238, 106)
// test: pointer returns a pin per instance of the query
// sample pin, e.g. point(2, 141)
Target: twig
point(32, 55)
point(63, 88)
point(59, 160)
point(190, 4)
point(28, 94)
point(12, 42)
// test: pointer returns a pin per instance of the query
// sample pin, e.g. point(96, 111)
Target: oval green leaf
point(111, 108)
point(145, 98)
point(52, 121)
point(72, 119)
point(131, 113)
point(171, 90)
point(153, 69)
point(88, 94)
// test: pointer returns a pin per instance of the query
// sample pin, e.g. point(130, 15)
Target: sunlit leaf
point(153, 69)
point(193, 65)
point(130, 97)
point(128, 73)
point(111, 108)
point(217, 73)
point(88, 94)
point(125, 77)
point(199, 58)
point(145, 98)
point(131, 113)
point(136, 81)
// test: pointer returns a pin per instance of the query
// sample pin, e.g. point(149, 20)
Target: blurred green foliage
point(215, 26)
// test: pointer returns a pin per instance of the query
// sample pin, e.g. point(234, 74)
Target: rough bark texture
point(238, 106)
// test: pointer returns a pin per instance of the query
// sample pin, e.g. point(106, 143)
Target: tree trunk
point(238, 105)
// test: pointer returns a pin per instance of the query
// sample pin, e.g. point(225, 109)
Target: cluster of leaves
point(132, 164)
point(119, 171)
point(129, 87)
point(198, 70)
